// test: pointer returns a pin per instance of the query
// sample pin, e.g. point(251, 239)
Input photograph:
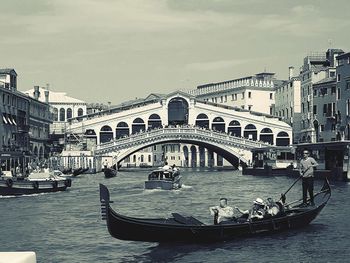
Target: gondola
point(179, 228)
point(110, 172)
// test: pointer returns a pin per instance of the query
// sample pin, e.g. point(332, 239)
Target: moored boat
point(33, 184)
point(110, 172)
point(179, 228)
point(163, 179)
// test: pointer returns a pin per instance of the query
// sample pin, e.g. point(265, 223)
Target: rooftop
point(54, 97)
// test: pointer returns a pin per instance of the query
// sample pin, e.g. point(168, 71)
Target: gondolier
point(306, 169)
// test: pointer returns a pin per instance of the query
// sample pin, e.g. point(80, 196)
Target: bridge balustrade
point(182, 133)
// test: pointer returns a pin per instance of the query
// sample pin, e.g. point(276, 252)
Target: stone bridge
point(234, 149)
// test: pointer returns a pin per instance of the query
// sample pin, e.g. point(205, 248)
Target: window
point(315, 92)
point(338, 77)
point(235, 96)
point(249, 95)
point(271, 96)
point(331, 74)
point(338, 95)
point(315, 109)
point(225, 98)
point(348, 107)
point(249, 107)
point(242, 95)
point(333, 90)
point(348, 85)
point(322, 127)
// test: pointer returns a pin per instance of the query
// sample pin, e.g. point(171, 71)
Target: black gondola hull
point(109, 172)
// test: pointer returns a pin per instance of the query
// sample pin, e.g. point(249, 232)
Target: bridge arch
point(106, 134)
point(250, 132)
point(138, 125)
point(218, 124)
point(91, 135)
point(234, 128)
point(178, 111)
point(202, 121)
point(266, 135)
point(122, 130)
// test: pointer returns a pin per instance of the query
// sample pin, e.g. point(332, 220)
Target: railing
point(180, 134)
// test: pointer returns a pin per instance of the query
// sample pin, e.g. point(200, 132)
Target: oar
point(283, 196)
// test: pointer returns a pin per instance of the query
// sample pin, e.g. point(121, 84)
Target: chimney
point(36, 92)
point(47, 96)
point(291, 72)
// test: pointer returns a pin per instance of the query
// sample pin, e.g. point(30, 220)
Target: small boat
point(180, 228)
point(66, 170)
point(79, 170)
point(163, 179)
point(33, 184)
point(110, 172)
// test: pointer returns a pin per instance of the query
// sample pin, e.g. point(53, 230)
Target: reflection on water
point(66, 226)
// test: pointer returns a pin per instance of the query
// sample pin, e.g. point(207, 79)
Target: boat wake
point(16, 196)
point(183, 186)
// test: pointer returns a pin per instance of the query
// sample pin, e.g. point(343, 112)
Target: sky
point(119, 50)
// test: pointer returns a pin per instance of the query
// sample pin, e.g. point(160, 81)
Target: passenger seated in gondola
point(272, 208)
point(257, 211)
point(222, 213)
point(166, 170)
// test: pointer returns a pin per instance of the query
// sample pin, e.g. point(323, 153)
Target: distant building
point(24, 125)
point(63, 108)
point(324, 109)
point(343, 97)
point(317, 66)
point(287, 103)
point(253, 93)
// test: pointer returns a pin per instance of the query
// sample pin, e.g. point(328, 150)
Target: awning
point(4, 119)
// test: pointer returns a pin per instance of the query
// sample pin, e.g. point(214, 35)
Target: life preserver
point(9, 182)
point(54, 184)
point(36, 185)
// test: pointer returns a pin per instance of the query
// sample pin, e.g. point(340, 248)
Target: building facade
point(253, 93)
point(317, 66)
point(343, 97)
point(288, 103)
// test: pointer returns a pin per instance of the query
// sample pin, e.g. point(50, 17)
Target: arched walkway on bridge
point(266, 135)
point(234, 128)
point(282, 139)
point(106, 134)
point(202, 121)
point(154, 122)
point(193, 156)
point(250, 132)
point(218, 124)
point(91, 135)
point(178, 111)
point(138, 125)
point(122, 130)
point(185, 151)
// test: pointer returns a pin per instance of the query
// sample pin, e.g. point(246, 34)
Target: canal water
point(67, 226)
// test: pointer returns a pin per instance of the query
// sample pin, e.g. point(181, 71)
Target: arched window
point(122, 130)
point(218, 124)
point(62, 114)
point(106, 134)
point(69, 113)
point(138, 125)
point(202, 121)
point(234, 128)
point(282, 139)
point(55, 114)
point(154, 122)
point(266, 135)
point(250, 132)
point(80, 112)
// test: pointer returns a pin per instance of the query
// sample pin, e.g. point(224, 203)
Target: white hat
point(259, 201)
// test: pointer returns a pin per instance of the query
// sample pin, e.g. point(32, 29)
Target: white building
point(253, 93)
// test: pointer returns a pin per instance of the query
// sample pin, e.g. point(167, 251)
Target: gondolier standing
point(306, 170)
